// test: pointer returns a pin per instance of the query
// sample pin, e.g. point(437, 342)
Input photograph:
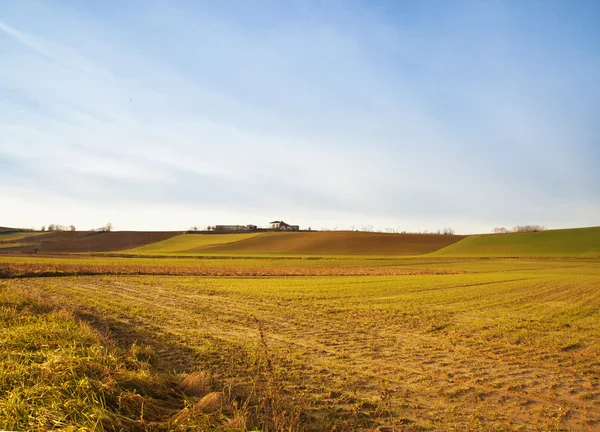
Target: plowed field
point(87, 241)
point(336, 243)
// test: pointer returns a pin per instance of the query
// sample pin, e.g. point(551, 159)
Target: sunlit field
point(417, 344)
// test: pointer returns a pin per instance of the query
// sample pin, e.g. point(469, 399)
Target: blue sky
point(331, 114)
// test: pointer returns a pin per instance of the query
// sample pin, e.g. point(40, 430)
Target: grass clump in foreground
point(57, 372)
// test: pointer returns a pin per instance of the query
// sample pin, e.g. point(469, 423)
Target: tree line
point(57, 227)
point(519, 229)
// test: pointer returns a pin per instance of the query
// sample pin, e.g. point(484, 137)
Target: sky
point(416, 115)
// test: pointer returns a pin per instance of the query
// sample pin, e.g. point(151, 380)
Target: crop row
point(12, 270)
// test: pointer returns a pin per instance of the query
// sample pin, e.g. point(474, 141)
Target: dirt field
point(504, 345)
point(87, 241)
point(336, 243)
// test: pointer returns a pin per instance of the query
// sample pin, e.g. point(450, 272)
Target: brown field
point(87, 241)
point(336, 243)
point(36, 269)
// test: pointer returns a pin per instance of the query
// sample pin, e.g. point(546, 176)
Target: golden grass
point(196, 384)
point(35, 269)
point(505, 345)
point(58, 373)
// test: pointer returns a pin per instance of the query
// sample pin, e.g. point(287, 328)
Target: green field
point(11, 245)
point(190, 243)
point(14, 236)
point(578, 242)
point(357, 343)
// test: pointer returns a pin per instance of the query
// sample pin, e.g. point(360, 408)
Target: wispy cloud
point(326, 116)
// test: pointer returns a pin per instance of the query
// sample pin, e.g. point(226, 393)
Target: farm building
point(282, 226)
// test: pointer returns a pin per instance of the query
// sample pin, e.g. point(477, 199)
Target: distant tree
point(72, 228)
point(499, 230)
point(195, 228)
point(528, 228)
point(44, 228)
point(51, 227)
point(448, 231)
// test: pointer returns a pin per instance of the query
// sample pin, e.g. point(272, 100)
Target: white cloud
point(365, 125)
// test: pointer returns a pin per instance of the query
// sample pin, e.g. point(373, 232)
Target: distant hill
point(86, 241)
point(576, 242)
point(12, 239)
point(334, 243)
point(8, 229)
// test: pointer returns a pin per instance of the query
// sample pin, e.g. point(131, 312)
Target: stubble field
point(421, 344)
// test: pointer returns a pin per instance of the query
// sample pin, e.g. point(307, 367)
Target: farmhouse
point(282, 226)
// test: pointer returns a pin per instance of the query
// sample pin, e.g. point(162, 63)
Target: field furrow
point(458, 351)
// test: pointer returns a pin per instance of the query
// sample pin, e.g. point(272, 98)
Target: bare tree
point(499, 230)
point(528, 228)
point(448, 231)
point(44, 228)
point(108, 227)
point(72, 228)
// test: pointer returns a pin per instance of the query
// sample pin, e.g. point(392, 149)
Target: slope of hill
point(190, 242)
point(334, 243)
point(576, 242)
point(11, 236)
point(88, 241)
point(8, 229)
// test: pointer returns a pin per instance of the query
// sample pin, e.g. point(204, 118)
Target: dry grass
point(196, 384)
point(58, 372)
point(35, 269)
point(503, 345)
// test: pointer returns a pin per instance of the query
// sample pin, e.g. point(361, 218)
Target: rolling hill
point(576, 242)
point(190, 243)
point(334, 243)
point(85, 241)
